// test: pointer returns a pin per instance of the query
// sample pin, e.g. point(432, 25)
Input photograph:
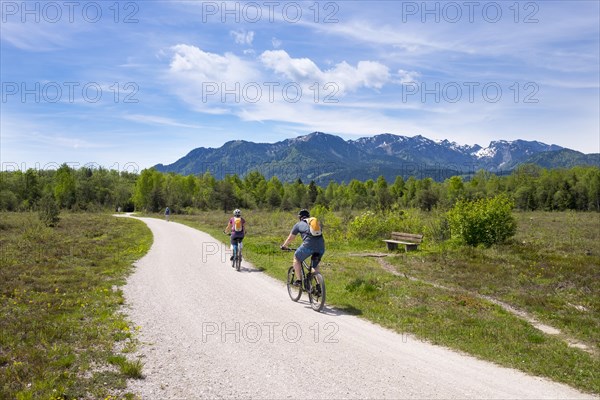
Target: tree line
point(92, 189)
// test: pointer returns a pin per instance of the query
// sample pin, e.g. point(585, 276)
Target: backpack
point(237, 224)
point(314, 226)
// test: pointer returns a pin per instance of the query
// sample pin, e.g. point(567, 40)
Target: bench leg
point(411, 247)
point(392, 246)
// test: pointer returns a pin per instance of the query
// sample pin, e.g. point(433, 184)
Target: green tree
point(33, 191)
point(8, 200)
point(455, 189)
point(483, 221)
point(65, 186)
point(274, 192)
point(411, 191)
point(382, 194)
point(426, 197)
point(477, 186)
point(358, 197)
point(397, 190)
point(298, 196)
point(592, 182)
point(524, 197)
point(206, 195)
point(225, 195)
point(48, 210)
point(313, 192)
point(148, 193)
point(255, 185)
point(85, 190)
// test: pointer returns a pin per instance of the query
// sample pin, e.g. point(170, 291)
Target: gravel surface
point(207, 331)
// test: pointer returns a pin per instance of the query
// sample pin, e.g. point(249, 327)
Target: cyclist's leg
point(316, 264)
point(297, 269)
point(301, 254)
point(233, 247)
point(240, 245)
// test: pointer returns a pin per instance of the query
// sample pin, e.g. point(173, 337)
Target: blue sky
point(131, 84)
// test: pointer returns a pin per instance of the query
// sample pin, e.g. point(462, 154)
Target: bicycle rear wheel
point(238, 261)
point(316, 294)
point(294, 291)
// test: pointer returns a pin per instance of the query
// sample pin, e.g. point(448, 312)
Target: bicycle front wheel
point(294, 291)
point(316, 294)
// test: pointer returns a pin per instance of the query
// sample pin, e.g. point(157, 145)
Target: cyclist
point(237, 227)
point(167, 213)
point(310, 244)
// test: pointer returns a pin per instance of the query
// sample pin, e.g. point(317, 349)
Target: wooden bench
point(410, 240)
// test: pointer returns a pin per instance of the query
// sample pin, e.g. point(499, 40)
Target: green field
point(63, 335)
point(550, 269)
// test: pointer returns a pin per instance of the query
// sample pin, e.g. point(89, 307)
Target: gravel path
point(208, 331)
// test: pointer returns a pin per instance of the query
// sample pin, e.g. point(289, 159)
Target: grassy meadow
point(62, 333)
point(550, 269)
point(63, 336)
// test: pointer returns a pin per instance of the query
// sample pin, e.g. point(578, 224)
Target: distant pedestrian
point(167, 214)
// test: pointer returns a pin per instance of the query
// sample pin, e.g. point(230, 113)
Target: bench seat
point(409, 240)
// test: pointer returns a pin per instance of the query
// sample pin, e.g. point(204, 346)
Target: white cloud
point(550, 44)
point(192, 68)
point(157, 120)
point(347, 121)
point(202, 79)
point(369, 74)
point(276, 43)
point(292, 68)
point(199, 66)
point(39, 37)
point(243, 37)
point(208, 80)
point(406, 76)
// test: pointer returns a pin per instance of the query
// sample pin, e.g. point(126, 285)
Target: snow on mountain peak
point(487, 152)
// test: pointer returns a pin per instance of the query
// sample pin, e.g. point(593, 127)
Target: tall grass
point(60, 302)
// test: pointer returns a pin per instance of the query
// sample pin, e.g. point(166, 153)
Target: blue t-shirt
point(315, 243)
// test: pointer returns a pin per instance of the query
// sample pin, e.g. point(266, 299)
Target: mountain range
point(323, 157)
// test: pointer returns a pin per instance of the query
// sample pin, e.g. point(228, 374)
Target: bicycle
point(236, 260)
point(311, 283)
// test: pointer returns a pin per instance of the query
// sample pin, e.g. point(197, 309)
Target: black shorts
point(236, 239)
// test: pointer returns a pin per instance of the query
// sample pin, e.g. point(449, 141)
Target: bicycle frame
point(237, 248)
point(236, 260)
point(237, 254)
point(307, 271)
point(316, 293)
